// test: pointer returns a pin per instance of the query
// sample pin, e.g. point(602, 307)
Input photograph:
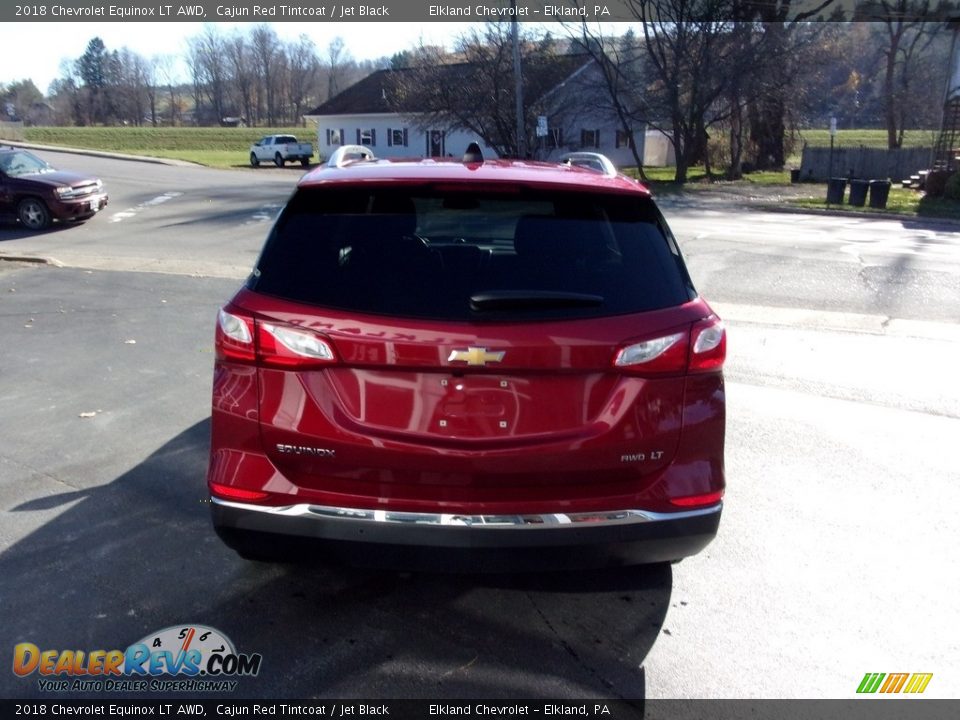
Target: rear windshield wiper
point(531, 300)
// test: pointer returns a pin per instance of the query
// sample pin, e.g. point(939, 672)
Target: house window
point(589, 138)
point(555, 138)
point(367, 137)
point(397, 137)
point(624, 139)
point(334, 137)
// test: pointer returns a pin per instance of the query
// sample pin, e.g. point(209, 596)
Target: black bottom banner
point(867, 709)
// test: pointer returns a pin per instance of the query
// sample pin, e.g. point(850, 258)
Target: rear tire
point(254, 160)
point(305, 162)
point(33, 214)
point(278, 160)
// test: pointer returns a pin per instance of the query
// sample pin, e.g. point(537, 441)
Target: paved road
point(835, 555)
point(188, 220)
point(893, 268)
point(196, 220)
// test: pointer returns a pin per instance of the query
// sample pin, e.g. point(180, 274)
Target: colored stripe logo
point(913, 683)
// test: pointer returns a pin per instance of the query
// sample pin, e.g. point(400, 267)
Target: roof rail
point(350, 153)
point(592, 161)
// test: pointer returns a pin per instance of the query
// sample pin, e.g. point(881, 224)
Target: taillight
point(234, 336)
point(708, 345)
point(694, 501)
point(240, 338)
point(662, 355)
point(702, 348)
point(292, 347)
point(228, 492)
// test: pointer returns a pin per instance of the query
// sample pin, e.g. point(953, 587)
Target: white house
point(363, 115)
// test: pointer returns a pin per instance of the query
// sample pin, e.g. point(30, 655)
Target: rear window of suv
point(462, 253)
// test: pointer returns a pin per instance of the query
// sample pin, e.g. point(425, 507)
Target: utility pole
point(517, 79)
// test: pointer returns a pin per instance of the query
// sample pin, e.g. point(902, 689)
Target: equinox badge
point(475, 356)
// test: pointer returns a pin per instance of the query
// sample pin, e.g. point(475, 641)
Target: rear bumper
point(580, 539)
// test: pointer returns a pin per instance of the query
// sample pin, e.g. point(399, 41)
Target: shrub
point(951, 190)
point(936, 183)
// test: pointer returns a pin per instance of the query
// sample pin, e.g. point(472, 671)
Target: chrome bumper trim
point(604, 518)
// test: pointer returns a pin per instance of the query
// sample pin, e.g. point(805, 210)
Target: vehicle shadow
point(11, 229)
point(137, 555)
point(892, 283)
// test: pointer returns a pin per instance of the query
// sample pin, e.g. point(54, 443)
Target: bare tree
point(618, 63)
point(304, 72)
point(688, 69)
point(906, 36)
point(473, 89)
point(769, 58)
point(21, 95)
point(195, 64)
point(241, 63)
point(165, 73)
point(209, 68)
point(129, 84)
point(267, 52)
point(149, 75)
point(338, 57)
point(65, 95)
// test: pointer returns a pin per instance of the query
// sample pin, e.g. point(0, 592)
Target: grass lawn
point(216, 147)
point(900, 202)
point(867, 138)
point(698, 176)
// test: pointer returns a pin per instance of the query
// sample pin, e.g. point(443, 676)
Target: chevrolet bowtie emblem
point(475, 356)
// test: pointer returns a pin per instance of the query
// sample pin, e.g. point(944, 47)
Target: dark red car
point(37, 194)
point(469, 360)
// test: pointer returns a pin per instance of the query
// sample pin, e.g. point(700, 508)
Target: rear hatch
point(435, 344)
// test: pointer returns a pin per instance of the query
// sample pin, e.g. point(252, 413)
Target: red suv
point(476, 360)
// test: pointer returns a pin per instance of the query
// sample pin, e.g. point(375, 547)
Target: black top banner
point(333, 11)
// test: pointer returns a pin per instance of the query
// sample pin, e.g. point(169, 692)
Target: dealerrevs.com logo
point(180, 658)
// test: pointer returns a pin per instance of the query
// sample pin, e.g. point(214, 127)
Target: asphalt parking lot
point(107, 534)
point(834, 556)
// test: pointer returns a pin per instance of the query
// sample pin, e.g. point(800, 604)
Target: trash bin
point(858, 192)
point(879, 192)
point(795, 175)
point(835, 190)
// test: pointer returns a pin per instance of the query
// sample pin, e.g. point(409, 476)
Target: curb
point(795, 210)
point(35, 259)
point(102, 153)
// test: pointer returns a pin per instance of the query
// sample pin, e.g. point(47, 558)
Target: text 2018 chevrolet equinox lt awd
point(469, 359)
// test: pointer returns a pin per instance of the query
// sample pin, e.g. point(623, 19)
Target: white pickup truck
point(280, 149)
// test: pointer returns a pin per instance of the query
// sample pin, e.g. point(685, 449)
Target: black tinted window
point(453, 253)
